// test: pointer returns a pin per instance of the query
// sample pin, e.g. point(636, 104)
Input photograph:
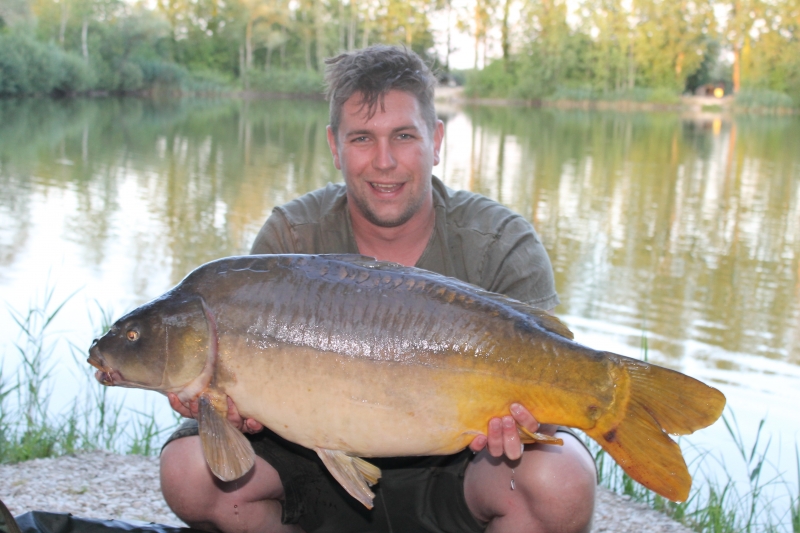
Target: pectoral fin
point(354, 474)
point(527, 437)
point(228, 453)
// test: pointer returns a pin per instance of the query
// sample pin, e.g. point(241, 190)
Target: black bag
point(44, 522)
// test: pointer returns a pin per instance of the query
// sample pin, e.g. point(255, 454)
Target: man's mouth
point(386, 187)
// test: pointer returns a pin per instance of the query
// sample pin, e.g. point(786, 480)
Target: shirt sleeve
point(275, 236)
point(518, 266)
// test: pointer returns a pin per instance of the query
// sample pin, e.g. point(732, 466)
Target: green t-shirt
point(475, 239)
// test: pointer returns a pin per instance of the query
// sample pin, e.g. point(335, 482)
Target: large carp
point(354, 358)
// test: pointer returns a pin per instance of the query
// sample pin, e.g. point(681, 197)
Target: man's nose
point(384, 156)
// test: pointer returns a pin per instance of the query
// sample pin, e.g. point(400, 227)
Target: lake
point(678, 234)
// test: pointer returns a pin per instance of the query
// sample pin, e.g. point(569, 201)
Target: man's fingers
point(178, 407)
point(252, 425)
point(478, 443)
point(512, 446)
point(494, 437)
point(524, 418)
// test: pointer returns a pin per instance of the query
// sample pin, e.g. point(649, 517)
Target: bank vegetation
point(646, 51)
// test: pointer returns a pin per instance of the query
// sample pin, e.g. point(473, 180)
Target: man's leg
point(554, 489)
point(250, 504)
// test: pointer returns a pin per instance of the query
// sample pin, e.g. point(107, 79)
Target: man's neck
point(402, 244)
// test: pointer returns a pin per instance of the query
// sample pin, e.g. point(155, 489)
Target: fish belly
point(374, 408)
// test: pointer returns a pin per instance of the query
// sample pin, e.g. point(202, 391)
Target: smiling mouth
point(386, 187)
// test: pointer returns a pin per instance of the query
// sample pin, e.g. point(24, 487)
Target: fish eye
point(132, 335)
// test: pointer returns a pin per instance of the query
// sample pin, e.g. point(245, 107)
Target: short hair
point(373, 72)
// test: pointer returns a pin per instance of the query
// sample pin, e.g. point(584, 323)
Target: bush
point(130, 77)
point(13, 76)
point(494, 81)
point(207, 81)
point(277, 80)
point(30, 67)
point(162, 73)
point(764, 98)
point(75, 75)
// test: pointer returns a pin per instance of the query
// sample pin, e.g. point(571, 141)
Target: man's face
point(386, 160)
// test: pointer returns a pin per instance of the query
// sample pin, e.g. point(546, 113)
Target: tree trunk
point(365, 35)
point(631, 67)
point(248, 44)
point(307, 46)
point(319, 35)
point(447, 53)
point(342, 27)
point(62, 29)
point(283, 47)
point(351, 34)
point(737, 69)
point(84, 39)
point(506, 39)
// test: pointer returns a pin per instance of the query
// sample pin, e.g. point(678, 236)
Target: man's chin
point(387, 222)
point(382, 218)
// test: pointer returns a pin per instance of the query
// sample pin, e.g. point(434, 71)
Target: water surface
point(678, 233)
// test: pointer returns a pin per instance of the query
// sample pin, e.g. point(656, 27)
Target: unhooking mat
point(43, 522)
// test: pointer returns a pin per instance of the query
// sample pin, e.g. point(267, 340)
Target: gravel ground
point(126, 487)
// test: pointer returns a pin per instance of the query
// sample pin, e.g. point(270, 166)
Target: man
point(385, 139)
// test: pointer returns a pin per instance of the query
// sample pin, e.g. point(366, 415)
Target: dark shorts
point(419, 494)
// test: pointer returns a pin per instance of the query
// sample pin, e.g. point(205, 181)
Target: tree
point(670, 40)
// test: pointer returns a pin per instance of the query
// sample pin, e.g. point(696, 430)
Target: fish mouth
point(105, 374)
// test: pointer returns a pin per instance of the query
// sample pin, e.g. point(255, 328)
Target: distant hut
point(711, 89)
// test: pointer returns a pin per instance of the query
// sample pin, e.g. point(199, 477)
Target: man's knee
point(553, 489)
point(186, 482)
point(563, 488)
point(250, 503)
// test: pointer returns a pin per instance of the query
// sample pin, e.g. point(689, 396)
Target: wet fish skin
point(354, 357)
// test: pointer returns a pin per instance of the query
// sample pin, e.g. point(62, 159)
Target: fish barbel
point(355, 358)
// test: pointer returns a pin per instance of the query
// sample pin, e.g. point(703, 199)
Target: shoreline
point(695, 106)
point(453, 97)
point(126, 487)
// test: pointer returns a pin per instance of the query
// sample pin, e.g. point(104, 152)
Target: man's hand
point(502, 437)
point(189, 410)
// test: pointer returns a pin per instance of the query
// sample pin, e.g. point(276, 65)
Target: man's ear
point(438, 135)
point(333, 147)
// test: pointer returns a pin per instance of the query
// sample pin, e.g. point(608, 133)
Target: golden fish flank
point(380, 350)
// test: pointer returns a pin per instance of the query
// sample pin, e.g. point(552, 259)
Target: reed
point(30, 429)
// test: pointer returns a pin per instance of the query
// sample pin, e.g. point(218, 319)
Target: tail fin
point(660, 401)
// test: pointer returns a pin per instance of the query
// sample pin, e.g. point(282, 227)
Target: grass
point(28, 427)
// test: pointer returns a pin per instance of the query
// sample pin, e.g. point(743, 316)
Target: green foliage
point(763, 98)
point(30, 67)
point(274, 80)
point(38, 433)
point(494, 81)
point(660, 95)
